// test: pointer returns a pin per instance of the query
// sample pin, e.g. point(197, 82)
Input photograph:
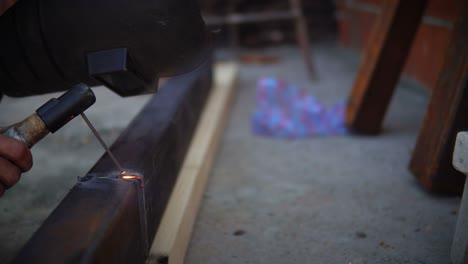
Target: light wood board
point(173, 235)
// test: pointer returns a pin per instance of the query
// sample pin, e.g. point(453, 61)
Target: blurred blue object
point(285, 111)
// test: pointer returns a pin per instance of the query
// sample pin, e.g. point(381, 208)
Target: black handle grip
point(59, 111)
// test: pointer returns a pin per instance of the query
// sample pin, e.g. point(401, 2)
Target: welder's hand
point(15, 158)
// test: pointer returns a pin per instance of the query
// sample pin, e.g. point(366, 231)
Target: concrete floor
point(319, 200)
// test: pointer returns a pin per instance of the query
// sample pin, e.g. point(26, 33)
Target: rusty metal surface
point(108, 220)
point(97, 222)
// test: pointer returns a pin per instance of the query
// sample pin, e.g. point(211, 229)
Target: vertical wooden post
point(302, 36)
point(447, 114)
point(382, 64)
point(233, 28)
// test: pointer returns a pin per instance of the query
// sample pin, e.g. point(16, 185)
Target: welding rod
point(111, 155)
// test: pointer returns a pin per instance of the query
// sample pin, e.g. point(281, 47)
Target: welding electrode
point(103, 144)
point(51, 116)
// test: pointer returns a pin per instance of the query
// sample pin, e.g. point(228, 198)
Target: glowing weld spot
point(133, 177)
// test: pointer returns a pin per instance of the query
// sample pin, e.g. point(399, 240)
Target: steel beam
point(89, 225)
point(105, 219)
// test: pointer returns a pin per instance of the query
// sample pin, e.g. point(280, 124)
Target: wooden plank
point(106, 219)
point(175, 230)
point(383, 62)
point(302, 36)
point(447, 114)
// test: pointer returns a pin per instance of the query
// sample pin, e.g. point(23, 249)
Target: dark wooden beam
point(5, 5)
point(105, 219)
point(447, 114)
point(382, 64)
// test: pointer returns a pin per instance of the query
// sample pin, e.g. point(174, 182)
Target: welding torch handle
point(29, 131)
point(51, 116)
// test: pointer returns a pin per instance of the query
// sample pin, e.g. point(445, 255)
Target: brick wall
point(355, 25)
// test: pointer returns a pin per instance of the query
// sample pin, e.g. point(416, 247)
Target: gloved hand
point(15, 158)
